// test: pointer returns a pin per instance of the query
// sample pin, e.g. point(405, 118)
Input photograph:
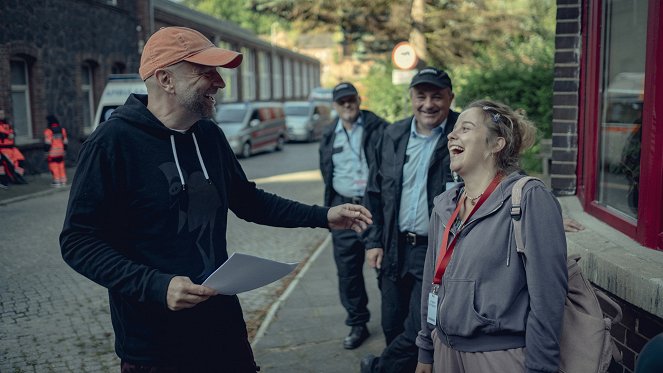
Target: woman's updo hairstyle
point(518, 132)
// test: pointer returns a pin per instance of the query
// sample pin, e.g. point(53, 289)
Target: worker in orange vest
point(11, 159)
point(55, 145)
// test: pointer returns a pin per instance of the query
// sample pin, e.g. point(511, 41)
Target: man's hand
point(424, 368)
point(349, 216)
point(571, 225)
point(374, 257)
point(182, 293)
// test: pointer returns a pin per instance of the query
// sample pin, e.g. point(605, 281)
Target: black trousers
point(401, 312)
point(349, 254)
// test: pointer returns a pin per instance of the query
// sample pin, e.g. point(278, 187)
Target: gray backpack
point(585, 344)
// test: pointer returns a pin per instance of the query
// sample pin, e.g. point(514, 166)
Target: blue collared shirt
point(413, 215)
point(350, 166)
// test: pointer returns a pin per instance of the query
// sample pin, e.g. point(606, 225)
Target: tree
point(377, 24)
point(240, 12)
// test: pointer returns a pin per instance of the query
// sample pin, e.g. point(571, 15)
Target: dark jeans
point(349, 253)
point(401, 313)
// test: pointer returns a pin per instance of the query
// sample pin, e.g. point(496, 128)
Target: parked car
point(306, 119)
point(252, 127)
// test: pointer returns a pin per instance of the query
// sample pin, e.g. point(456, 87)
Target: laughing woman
point(484, 308)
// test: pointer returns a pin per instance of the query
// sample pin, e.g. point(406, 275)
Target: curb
point(33, 195)
point(277, 305)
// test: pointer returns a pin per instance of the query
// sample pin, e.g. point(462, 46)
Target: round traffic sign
point(403, 56)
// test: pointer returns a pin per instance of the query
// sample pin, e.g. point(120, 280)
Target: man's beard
point(196, 103)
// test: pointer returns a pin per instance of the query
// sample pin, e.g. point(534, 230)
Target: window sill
point(615, 262)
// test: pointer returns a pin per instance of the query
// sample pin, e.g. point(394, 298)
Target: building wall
point(56, 37)
point(637, 326)
point(635, 329)
point(565, 98)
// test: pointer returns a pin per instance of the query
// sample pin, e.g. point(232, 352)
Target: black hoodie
point(148, 203)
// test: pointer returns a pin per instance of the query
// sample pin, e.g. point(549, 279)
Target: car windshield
point(297, 110)
point(230, 114)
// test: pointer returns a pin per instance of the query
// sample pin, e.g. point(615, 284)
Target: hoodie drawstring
point(177, 161)
point(200, 158)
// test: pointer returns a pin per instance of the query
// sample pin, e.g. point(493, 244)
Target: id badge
point(432, 309)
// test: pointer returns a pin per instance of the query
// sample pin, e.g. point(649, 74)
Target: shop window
point(622, 87)
point(621, 142)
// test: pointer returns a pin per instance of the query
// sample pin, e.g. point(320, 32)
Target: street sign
point(402, 76)
point(403, 56)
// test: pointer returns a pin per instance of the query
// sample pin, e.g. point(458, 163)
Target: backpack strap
point(516, 211)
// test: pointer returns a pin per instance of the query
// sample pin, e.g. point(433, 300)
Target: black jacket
point(383, 193)
point(373, 127)
point(136, 219)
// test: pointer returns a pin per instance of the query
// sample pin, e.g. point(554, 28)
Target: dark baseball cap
point(343, 90)
point(431, 75)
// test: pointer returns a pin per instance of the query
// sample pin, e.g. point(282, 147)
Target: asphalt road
point(55, 320)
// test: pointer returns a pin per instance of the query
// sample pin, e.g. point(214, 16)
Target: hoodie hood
point(135, 113)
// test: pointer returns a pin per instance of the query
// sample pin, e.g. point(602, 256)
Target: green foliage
point(239, 12)
point(392, 102)
point(517, 84)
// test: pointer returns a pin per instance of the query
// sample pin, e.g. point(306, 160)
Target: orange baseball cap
point(171, 45)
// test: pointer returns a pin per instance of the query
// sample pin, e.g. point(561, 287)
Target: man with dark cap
point(347, 152)
point(147, 214)
point(413, 168)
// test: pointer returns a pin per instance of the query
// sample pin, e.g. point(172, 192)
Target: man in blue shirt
point(413, 168)
point(347, 152)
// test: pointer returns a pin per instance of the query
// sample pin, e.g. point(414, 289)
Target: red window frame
point(648, 229)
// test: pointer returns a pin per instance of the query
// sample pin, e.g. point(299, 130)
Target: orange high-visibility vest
point(6, 135)
point(56, 142)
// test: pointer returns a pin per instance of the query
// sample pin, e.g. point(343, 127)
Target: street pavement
point(54, 320)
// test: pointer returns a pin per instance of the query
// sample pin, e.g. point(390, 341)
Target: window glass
point(298, 78)
point(265, 76)
point(287, 77)
point(20, 93)
point(277, 78)
point(622, 93)
point(18, 73)
point(87, 94)
point(229, 93)
point(248, 75)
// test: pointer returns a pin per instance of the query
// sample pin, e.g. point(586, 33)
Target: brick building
point(55, 56)
point(607, 154)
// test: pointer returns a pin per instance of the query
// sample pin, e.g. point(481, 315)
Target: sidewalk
point(39, 184)
point(304, 330)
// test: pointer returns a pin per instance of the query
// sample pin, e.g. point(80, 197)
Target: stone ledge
point(614, 261)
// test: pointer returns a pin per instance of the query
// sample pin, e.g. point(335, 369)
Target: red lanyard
point(445, 251)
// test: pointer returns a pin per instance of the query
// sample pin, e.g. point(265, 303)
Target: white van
point(117, 90)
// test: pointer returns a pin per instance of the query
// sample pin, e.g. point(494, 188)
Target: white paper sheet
point(242, 272)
